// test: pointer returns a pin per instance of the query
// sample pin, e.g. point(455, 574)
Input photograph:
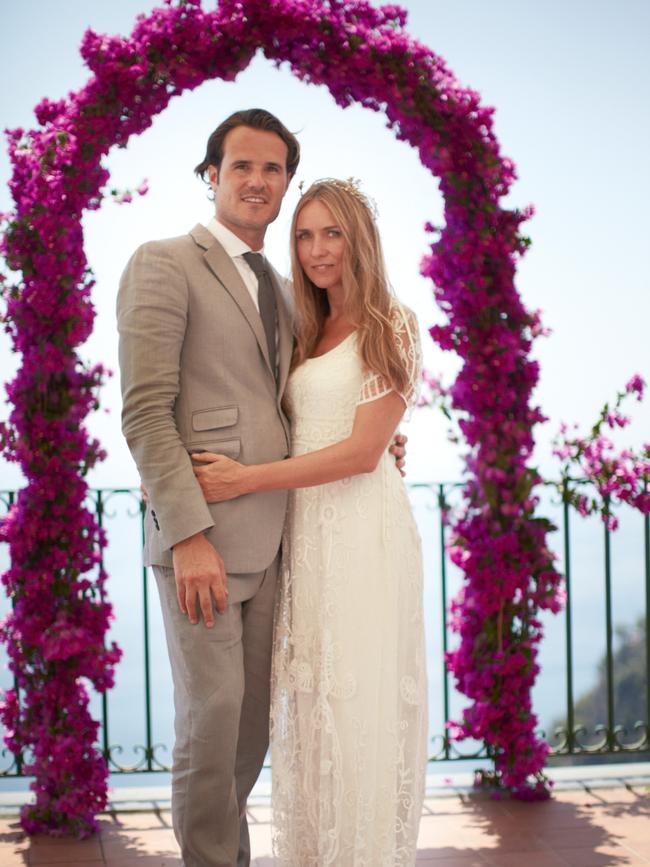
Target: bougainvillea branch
point(617, 476)
point(364, 55)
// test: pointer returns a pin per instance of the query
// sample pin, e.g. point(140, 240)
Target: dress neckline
point(333, 349)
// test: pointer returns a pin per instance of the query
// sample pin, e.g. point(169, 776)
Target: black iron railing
point(570, 736)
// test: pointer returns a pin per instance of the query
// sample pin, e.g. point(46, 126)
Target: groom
point(205, 348)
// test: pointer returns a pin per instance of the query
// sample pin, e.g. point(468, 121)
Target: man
point(205, 348)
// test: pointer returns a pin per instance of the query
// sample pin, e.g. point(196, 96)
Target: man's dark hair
point(256, 118)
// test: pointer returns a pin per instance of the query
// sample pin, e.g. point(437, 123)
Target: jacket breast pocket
point(210, 431)
point(217, 417)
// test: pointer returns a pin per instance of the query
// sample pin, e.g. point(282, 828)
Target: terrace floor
point(592, 822)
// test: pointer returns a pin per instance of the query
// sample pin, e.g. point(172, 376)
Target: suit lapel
point(227, 274)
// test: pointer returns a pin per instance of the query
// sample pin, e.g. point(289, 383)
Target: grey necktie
point(266, 301)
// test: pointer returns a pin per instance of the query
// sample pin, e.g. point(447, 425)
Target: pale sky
point(570, 82)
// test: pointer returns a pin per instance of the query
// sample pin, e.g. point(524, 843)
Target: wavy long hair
point(368, 297)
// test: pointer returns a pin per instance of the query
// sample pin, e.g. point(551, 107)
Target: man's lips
point(254, 200)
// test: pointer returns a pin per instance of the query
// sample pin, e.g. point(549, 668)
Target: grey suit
point(195, 375)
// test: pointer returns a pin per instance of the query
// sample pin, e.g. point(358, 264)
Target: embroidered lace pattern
point(349, 705)
point(405, 330)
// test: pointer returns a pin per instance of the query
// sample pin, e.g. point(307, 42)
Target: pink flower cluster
point(617, 476)
point(363, 54)
point(125, 197)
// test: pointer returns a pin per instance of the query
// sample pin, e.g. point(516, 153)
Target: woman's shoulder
point(402, 318)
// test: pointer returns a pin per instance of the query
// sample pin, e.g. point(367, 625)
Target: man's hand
point(398, 450)
point(199, 571)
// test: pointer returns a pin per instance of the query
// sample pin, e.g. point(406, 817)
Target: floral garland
point(497, 539)
point(362, 54)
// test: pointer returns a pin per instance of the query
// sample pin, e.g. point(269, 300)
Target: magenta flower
point(636, 385)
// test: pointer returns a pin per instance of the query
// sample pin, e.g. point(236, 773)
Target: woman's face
point(320, 245)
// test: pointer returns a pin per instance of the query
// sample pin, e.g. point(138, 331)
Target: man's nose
point(256, 179)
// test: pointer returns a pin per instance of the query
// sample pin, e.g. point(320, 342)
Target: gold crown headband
point(351, 186)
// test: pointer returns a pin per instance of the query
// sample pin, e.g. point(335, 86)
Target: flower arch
point(363, 54)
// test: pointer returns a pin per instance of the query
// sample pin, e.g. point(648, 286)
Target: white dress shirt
point(236, 248)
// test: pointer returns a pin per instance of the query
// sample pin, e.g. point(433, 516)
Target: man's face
point(251, 182)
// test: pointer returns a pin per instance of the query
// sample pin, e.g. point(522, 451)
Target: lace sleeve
point(407, 339)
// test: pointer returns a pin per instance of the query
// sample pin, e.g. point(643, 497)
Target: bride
point(349, 706)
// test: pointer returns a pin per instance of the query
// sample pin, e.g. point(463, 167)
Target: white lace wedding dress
point(349, 706)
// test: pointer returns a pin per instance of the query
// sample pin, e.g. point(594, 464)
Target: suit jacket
point(195, 375)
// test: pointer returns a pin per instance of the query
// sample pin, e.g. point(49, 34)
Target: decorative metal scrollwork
point(148, 763)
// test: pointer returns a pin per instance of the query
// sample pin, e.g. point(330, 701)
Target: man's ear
point(213, 177)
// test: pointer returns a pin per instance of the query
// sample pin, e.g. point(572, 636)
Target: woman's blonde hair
point(368, 299)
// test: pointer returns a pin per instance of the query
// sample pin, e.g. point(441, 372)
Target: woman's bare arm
point(374, 425)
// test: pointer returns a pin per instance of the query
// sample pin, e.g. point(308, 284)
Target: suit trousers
point(222, 679)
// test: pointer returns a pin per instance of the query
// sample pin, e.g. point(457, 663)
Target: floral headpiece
point(350, 185)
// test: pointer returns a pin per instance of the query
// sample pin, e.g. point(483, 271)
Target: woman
point(349, 709)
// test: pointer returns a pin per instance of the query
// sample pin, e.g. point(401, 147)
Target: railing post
point(646, 539)
point(99, 509)
point(609, 634)
point(19, 758)
point(569, 626)
point(147, 672)
point(442, 505)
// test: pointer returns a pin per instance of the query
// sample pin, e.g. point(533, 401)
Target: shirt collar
point(233, 245)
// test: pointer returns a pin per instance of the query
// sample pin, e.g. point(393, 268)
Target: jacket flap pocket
point(208, 419)
point(229, 448)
